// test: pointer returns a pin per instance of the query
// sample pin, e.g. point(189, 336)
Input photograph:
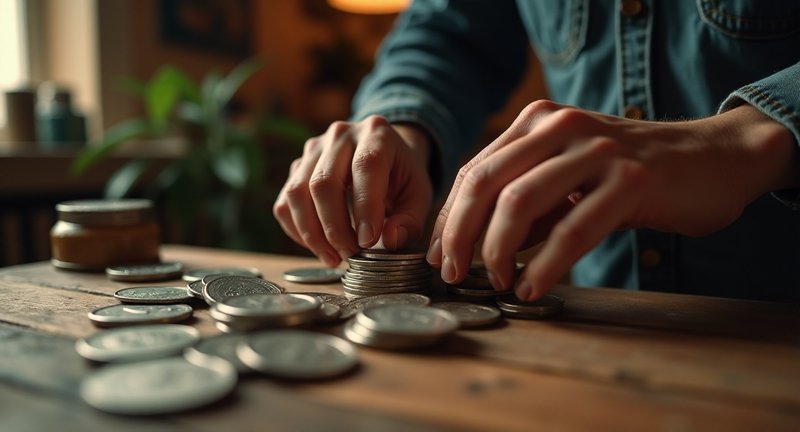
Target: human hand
point(371, 168)
point(572, 177)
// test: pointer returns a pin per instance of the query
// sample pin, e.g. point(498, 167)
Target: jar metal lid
point(106, 213)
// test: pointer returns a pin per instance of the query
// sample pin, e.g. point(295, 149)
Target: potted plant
point(218, 187)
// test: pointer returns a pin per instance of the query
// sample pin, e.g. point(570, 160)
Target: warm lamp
point(370, 6)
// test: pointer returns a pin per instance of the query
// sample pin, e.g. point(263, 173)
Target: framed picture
point(224, 26)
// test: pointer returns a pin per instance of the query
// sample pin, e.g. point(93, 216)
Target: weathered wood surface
point(614, 360)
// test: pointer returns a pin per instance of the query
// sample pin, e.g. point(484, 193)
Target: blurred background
point(200, 105)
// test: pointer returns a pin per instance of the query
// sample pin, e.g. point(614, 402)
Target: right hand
point(380, 166)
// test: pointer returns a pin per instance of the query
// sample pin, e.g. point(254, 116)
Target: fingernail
point(435, 252)
point(402, 236)
point(448, 270)
point(364, 234)
point(523, 290)
point(497, 284)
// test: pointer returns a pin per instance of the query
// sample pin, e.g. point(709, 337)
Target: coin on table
point(470, 314)
point(196, 288)
point(544, 307)
point(329, 313)
point(145, 272)
point(221, 346)
point(334, 299)
point(158, 386)
point(357, 305)
point(136, 343)
point(232, 286)
point(198, 274)
point(400, 326)
point(389, 255)
point(154, 295)
point(128, 314)
point(314, 275)
point(298, 354)
point(269, 309)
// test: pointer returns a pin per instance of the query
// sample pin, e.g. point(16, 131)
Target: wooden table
point(614, 360)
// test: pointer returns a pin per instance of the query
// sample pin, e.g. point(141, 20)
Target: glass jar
point(91, 235)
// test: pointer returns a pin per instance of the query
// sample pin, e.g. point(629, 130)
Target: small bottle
point(58, 124)
point(91, 235)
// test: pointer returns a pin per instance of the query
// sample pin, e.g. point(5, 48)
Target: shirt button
point(630, 8)
point(650, 257)
point(634, 112)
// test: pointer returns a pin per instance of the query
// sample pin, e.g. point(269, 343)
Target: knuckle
point(338, 128)
point(281, 209)
point(375, 122)
point(538, 107)
point(630, 173)
point(512, 200)
point(568, 117)
point(321, 184)
point(366, 159)
point(476, 182)
point(311, 145)
point(603, 146)
point(296, 191)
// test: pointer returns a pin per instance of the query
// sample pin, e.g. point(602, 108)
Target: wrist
point(416, 139)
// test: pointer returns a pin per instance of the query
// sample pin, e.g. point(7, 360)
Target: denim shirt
point(449, 64)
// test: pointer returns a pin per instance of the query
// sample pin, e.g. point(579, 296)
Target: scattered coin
point(232, 286)
point(314, 275)
point(198, 274)
point(357, 305)
point(158, 386)
point(137, 343)
point(544, 307)
point(154, 295)
point(298, 354)
point(196, 288)
point(469, 314)
point(255, 311)
point(145, 272)
point(221, 346)
point(329, 313)
point(127, 314)
point(333, 299)
point(400, 326)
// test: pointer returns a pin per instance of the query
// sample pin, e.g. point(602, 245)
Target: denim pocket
point(557, 28)
point(752, 19)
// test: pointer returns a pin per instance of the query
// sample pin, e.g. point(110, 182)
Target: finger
point(480, 187)
point(522, 125)
point(406, 217)
point(599, 213)
point(371, 166)
point(328, 186)
point(524, 202)
point(282, 212)
point(301, 205)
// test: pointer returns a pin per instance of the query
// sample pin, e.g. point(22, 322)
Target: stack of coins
point(476, 284)
point(195, 278)
point(256, 311)
point(219, 287)
point(378, 271)
point(400, 326)
point(544, 307)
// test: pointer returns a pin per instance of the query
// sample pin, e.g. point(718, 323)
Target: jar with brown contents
point(91, 235)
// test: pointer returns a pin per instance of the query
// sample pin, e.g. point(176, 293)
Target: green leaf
point(165, 90)
point(282, 127)
point(231, 167)
point(235, 79)
point(132, 86)
point(114, 137)
point(121, 183)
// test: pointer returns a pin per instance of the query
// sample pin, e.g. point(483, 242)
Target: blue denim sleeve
point(777, 96)
point(446, 66)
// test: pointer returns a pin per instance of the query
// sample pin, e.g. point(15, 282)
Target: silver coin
point(470, 314)
point(158, 386)
point(369, 263)
point(474, 292)
point(544, 307)
point(364, 292)
point(198, 274)
point(298, 354)
point(361, 335)
point(329, 313)
point(313, 275)
point(220, 346)
point(388, 255)
point(126, 314)
point(154, 295)
point(196, 288)
point(145, 272)
point(136, 343)
point(232, 286)
point(333, 299)
point(358, 305)
point(408, 319)
point(268, 305)
point(379, 284)
point(386, 276)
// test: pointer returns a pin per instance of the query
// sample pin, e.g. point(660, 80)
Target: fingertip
point(366, 235)
point(524, 290)
point(434, 256)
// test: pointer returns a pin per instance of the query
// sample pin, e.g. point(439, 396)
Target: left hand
point(692, 178)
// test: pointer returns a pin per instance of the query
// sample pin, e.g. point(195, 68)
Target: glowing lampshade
point(370, 6)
